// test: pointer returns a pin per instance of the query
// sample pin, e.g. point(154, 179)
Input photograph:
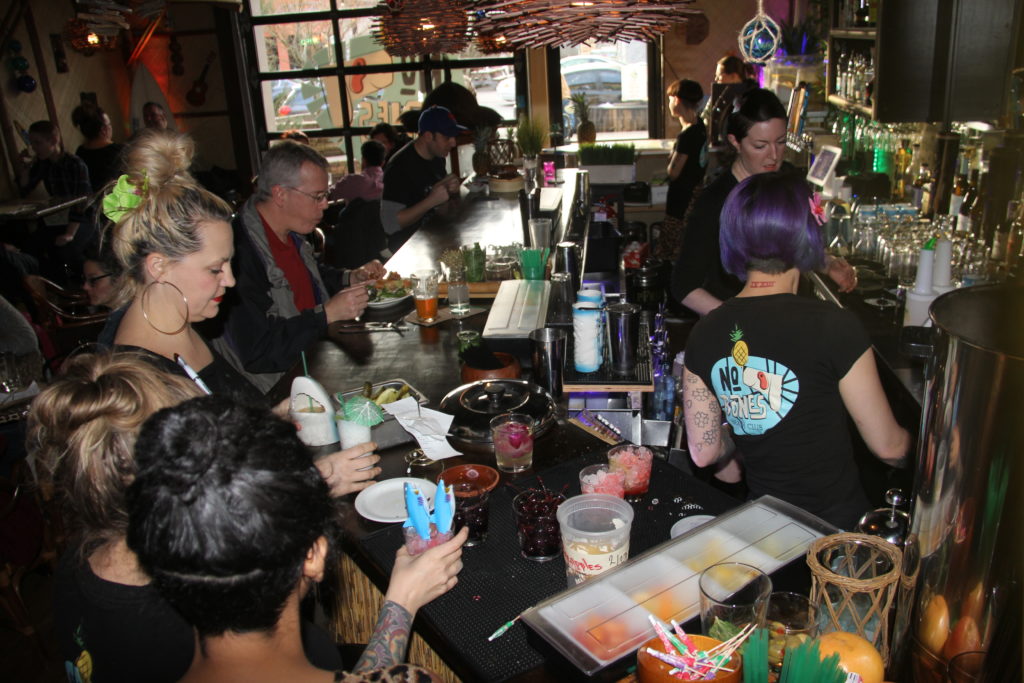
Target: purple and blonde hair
point(767, 225)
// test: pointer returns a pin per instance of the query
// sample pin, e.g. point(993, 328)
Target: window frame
point(434, 69)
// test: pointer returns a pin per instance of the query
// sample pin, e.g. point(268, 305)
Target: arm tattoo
point(702, 394)
point(389, 641)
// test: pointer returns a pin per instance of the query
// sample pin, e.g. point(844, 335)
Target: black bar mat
point(641, 374)
point(496, 583)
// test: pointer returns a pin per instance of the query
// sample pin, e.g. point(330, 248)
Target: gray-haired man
point(284, 300)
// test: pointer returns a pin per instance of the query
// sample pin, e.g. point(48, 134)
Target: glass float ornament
point(760, 37)
point(26, 83)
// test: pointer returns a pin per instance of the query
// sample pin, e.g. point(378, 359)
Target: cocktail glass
point(512, 434)
point(536, 512)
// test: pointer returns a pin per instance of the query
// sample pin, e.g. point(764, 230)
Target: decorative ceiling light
point(543, 23)
point(759, 38)
point(86, 39)
point(422, 27)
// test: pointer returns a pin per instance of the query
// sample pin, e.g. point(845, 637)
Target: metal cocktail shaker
point(567, 260)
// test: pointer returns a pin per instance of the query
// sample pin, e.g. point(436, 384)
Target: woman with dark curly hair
point(232, 520)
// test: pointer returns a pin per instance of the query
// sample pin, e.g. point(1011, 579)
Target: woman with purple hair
point(784, 370)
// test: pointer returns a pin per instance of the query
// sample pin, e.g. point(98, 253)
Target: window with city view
point(320, 70)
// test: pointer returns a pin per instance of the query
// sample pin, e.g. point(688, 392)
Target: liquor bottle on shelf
point(959, 188)
point(979, 208)
point(963, 221)
point(921, 182)
point(862, 16)
point(903, 158)
point(1015, 242)
point(1001, 239)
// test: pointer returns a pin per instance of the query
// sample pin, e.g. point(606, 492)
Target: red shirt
point(288, 259)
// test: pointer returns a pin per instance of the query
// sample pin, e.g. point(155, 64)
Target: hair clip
point(817, 210)
point(123, 197)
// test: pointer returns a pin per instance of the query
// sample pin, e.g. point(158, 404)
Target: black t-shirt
point(219, 376)
point(124, 633)
point(104, 163)
point(408, 178)
point(119, 632)
point(680, 190)
point(774, 364)
point(699, 263)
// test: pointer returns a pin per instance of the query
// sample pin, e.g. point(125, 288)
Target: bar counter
point(496, 583)
point(450, 633)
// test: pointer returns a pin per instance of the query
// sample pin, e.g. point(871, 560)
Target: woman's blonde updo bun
point(173, 206)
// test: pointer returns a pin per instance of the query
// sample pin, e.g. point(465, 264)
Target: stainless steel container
point(963, 563)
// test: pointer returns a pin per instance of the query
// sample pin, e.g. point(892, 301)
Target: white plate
point(386, 303)
point(385, 500)
point(686, 524)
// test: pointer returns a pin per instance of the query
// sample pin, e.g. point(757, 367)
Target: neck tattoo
point(758, 284)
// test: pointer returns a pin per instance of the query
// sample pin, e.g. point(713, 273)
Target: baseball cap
point(439, 120)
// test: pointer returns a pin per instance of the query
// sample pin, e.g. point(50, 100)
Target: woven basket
point(854, 578)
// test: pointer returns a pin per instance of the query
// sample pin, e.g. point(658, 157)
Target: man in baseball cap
point(416, 180)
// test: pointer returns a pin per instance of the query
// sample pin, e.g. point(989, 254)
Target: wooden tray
point(477, 290)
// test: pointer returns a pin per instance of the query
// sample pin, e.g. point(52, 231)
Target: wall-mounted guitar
point(197, 95)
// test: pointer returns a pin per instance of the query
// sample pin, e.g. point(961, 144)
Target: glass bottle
point(903, 158)
point(1015, 242)
point(920, 183)
point(959, 188)
point(963, 220)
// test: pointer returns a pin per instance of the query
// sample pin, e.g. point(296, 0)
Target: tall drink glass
point(425, 293)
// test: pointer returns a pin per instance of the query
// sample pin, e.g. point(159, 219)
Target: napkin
point(428, 427)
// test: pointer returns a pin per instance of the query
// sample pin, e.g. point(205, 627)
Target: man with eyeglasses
point(284, 300)
point(415, 179)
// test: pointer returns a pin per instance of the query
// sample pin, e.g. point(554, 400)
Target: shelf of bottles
point(987, 234)
point(852, 42)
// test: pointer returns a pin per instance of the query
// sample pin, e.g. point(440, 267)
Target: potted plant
point(586, 131)
point(530, 136)
point(609, 164)
point(482, 154)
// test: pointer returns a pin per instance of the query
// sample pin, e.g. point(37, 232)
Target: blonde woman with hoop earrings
point(173, 241)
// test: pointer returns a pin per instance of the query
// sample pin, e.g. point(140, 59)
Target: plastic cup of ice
point(600, 479)
point(512, 434)
point(635, 462)
point(352, 434)
point(416, 544)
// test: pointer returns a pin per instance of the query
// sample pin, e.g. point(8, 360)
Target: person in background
point(369, 183)
point(390, 137)
point(757, 136)
point(296, 135)
point(684, 170)
point(415, 180)
point(285, 300)
point(154, 116)
point(784, 370)
point(99, 278)
point(731, 69)
point(61, 238)
point(108, 618)
point(235, 562)
point(99, 151)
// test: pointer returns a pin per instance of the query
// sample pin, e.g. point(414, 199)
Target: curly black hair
point(224, 508)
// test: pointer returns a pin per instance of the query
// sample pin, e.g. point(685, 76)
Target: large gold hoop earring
point(145, 315)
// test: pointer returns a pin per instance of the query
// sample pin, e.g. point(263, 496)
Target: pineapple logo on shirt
point(755, 393)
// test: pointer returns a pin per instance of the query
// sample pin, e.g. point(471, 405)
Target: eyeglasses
point(319, 197)
point(95, 278)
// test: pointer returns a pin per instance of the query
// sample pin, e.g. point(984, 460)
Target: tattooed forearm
point(389, 641)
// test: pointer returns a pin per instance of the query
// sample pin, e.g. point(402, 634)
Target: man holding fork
point(284, 299)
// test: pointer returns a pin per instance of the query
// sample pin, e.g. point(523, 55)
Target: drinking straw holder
point(854, 578)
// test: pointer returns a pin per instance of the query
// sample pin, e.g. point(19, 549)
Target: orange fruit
point(856, 655)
